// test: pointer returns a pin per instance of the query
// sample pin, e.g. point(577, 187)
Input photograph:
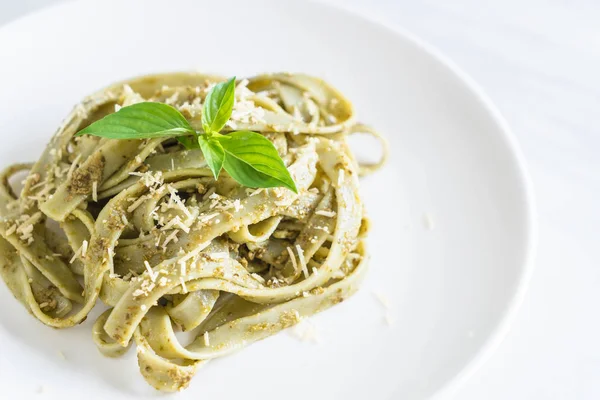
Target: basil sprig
point(248, 157)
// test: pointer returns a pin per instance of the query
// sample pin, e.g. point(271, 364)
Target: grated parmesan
point(329, 214)
point(183, 287)
point(178, 201)
point(302, 261)
point(305, 331)
point(382, 299)
point(84, 247)
point(95, 191)
point(137, 203)
point(151, 273)
point(171, 237)
point(73, 166)
point(428, 221)
point(176, 221)
point(12, 229)
point(207, 218)
point(79, 251)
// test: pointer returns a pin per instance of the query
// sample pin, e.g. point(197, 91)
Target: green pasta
point(143, 226)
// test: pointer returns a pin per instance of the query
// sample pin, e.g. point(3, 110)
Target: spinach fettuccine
point(144, 226)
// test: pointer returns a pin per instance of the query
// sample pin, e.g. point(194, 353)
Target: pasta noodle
point(144, 227)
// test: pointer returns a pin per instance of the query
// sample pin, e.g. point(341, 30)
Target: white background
point(539, 60)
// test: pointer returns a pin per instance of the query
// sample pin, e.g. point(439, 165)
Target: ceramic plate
point(452, 212)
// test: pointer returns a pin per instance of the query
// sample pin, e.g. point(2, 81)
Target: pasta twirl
point(142, 225)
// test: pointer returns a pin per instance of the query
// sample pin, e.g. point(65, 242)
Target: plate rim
point(470, 85)
point(504, 323)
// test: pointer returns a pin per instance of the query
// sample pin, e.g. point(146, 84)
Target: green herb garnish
point(250, 158)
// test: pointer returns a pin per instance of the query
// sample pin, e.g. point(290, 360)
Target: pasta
point(144, 227)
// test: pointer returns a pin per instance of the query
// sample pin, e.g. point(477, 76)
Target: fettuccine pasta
point(142, 225)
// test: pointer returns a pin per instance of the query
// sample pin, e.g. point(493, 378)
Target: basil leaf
point(217, 106)
point(213, 154)
point(140, 121)
point(252, 160)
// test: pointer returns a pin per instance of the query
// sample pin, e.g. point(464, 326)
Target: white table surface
point(539, 60)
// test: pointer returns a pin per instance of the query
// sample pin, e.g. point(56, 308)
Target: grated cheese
point(171, 237)
point(183, 287)
point(182, 267)
point(163, 281)
point(305, 331)
point(73, 166)
point(151, 180)
point(382, 299)
point(329, 214)
point(78, 252)
point(137, 203)
point(173, 99)
point(254, 192)
point(206, 339)
point(95, 191)
point(12, 229)
point(302, 261)
point(178, 201)
point(176, 221)
point(151, 273)
point(428, 221)
point(207, 218)
point(84, 247)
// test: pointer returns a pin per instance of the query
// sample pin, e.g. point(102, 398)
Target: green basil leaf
point(213, 154)
point(252, 160)
point(140, 121)
point(218, 105)
point(189, 142)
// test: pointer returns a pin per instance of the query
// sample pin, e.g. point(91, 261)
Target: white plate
point(452, 288)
